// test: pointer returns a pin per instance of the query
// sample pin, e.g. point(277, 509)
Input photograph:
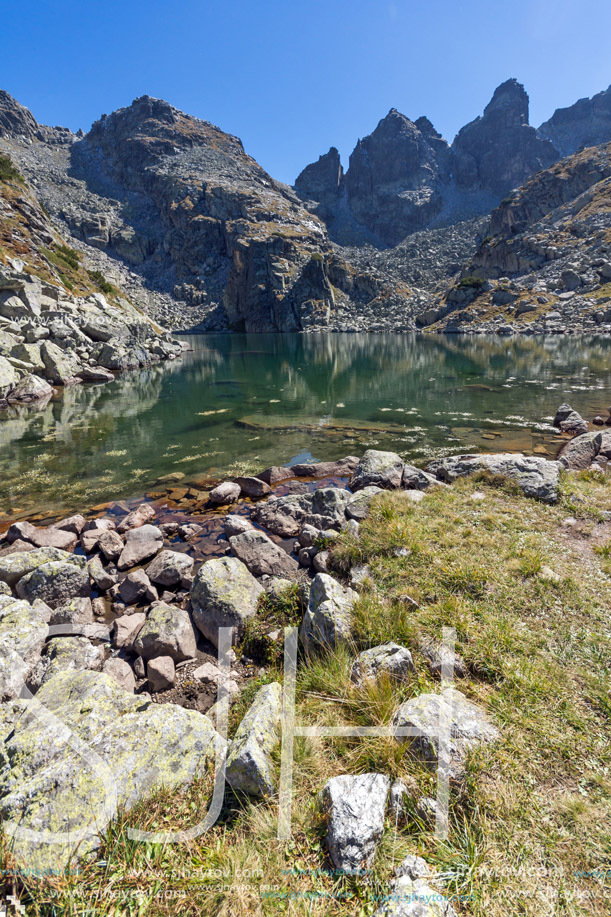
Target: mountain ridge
point(174, 211)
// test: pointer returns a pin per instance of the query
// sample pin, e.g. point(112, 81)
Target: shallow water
point(270, 399)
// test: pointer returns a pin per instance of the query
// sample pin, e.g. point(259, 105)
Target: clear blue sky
point(293, 77)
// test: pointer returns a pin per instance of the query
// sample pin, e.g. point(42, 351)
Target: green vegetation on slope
point(530, 827)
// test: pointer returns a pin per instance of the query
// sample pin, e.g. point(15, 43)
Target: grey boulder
point(382, 469)
point(388, 659)
point(358, 505)
point(327, 619)
point(468, 726)
point(55, 583)
point(169, 567)
point(355, 807)
point(140, 544)
point(250, 768)
point(262, 556)
point(167, 631)
point(536, 477)
point(224, 594)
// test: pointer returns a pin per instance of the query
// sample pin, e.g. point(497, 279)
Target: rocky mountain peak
point(586, 123)
point(499, 150)
point(322, 180)
point(15, 119)
point(509, 104)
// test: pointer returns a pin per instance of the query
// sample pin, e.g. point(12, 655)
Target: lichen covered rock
point(249, 766)
point(90, 749)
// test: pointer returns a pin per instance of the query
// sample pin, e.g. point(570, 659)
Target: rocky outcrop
point(586, 123)
point(536, 477)
point(322, 181)
point(546, 264)
point(81, 756)
point(395, 176)
point(205, 228)
point(499, 150)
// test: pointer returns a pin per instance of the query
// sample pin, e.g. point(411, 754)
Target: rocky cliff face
point(322, 181)
point(404, 178)
point(60, 324)
point(179, 207)
point(546, 264)
point(499, 150)
point(586, 123)
point(393, 182)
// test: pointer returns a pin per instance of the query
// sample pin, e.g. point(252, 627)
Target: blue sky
point(293, 77)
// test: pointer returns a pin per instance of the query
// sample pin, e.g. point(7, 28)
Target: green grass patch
point(9, 172)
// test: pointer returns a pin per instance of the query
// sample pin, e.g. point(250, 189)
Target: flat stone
point(141, 544)
point(536, 477)
point(340, 469)
point(355, 807)
point(224, 594)
point(262, 556)
point(249, 765)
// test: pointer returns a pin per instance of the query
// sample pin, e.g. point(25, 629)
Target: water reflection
point(266, 398)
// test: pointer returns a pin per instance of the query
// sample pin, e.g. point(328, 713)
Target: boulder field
point(99, 617)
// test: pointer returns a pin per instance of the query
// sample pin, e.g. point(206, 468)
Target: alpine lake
point(239, 403)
